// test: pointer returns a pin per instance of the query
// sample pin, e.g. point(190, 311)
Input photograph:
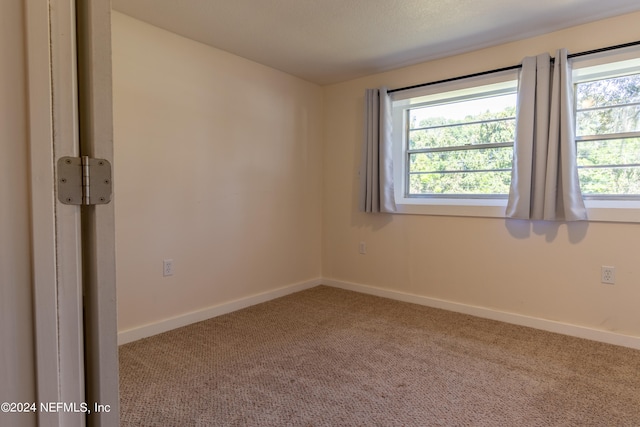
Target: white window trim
point(613, 210)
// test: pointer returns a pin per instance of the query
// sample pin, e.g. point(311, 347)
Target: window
point(453, 142)
point(456, 143)
point(608, 131)
point(607, 103)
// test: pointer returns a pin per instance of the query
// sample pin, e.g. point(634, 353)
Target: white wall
point(218, 167)
point(246, 177)
point(16, 327)
point(543, 270)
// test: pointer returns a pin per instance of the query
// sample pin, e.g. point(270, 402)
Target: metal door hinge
point(84, 181)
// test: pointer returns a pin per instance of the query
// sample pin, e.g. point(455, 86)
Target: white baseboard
point(513, 318)
point(145, 331)
point(608, 337)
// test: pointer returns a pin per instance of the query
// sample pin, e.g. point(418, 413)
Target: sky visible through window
point(458, 111)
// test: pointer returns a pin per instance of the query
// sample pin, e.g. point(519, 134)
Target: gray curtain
point(544, 182)
point(376, 166)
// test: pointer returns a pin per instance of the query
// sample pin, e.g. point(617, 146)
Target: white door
point(69, 80)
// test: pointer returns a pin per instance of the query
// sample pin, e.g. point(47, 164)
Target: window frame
point(453, 205)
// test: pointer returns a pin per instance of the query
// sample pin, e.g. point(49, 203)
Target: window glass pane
point(446, 142)
point(608, 120)
point(608, 92)
point(457, 135)
point(610, 181)
point(472, 110)
point(606, 107)
point(462, 160)
point(612, 152)
point(481, 183)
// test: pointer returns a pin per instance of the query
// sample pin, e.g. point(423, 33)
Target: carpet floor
point(329, 357)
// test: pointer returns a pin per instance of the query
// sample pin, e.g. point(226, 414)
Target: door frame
point(71, 285)
point(98, 221)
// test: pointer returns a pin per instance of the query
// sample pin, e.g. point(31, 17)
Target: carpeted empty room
point(330, 357)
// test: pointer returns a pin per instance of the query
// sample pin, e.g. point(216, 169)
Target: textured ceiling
point(328, 41)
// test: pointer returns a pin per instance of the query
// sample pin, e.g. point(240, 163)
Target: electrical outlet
point(167, 267)
point(608, 275)
point(362, 248)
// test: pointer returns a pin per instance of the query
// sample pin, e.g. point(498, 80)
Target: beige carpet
point(328, 357)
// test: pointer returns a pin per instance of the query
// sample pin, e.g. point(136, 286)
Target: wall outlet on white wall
point(167, 267)
point(362, 248)
point(608, 275)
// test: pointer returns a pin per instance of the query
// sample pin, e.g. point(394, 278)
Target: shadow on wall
point(373, 221)
point(522, 229)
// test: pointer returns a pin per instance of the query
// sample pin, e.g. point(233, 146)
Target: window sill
point(487, 208)
point(597, 210)
point(613, 210)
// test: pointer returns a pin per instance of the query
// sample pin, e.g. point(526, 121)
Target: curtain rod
point(514, 67)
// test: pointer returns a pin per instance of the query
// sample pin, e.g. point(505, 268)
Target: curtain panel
point(376, 192)
point(544, 182)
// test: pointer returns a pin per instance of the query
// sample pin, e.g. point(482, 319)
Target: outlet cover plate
point(167, 267)
point(608, 275)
